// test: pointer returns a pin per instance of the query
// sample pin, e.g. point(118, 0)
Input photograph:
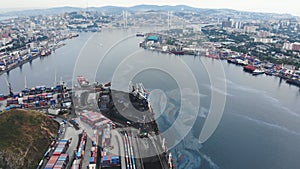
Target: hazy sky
point(277, 6)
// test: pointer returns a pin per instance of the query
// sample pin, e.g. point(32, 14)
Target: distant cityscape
point(94, 133)
point(272, 37)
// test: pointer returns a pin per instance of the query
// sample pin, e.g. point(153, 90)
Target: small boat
point(242, 62)
point(232, 60)
point(139, 34)
point(258, 71)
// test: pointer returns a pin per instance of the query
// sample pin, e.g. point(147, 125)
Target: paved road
point(119, 149)
point(137, 151)
point(71, 132)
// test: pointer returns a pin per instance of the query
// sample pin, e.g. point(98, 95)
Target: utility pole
point(169, 19)
point(11, 94)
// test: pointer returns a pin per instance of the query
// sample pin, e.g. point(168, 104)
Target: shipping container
point(106, 161)
point(59, 167)
point(48, 167)
point(92, 166)
point(51, 162)
point(115, 160)
point(60, 163)
point(59, 149)
point(92, 160)
point(56, 153)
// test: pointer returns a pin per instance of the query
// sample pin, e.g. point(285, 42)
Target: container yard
point(38, 97)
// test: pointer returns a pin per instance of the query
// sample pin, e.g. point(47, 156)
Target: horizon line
point(123, 6)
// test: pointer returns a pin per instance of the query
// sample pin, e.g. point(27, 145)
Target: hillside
point(119, 9)
point(24, 138)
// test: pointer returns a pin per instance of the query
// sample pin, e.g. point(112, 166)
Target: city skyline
point(288, 6)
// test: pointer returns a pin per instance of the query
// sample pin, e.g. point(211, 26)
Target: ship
point(139, 34)
point(249, 68)
point(270, 72)
point(45, 52)
point(294, 81)
point(83, 82)
point(258, 72)
point(231, 60)
point(177, 52)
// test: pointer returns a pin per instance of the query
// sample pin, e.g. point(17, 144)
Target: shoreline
point(152, 42)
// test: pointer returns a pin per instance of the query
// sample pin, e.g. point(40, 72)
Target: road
point(119, 149)
point(149, 151)
point(71, 132)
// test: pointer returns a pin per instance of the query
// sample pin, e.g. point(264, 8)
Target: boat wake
point(210, 162)
point(235, 86)
point(264, 95)
point(212, 88)
point(271, 125)
point(275, 102)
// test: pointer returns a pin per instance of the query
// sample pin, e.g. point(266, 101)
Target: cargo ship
point(83, 82)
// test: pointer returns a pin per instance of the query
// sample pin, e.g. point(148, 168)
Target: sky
point(276, 6)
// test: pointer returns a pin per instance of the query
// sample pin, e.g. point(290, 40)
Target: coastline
point(250, 64)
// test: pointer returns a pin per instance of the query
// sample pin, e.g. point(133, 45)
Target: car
point(143, 135)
